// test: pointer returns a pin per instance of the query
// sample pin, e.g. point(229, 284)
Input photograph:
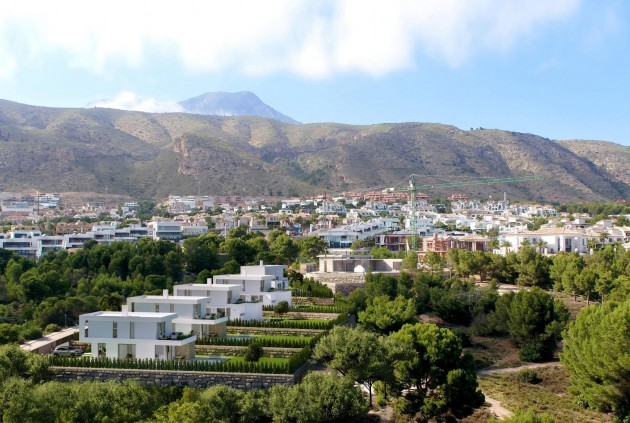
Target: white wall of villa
point(123, 334)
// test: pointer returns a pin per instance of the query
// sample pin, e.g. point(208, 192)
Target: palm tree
point(506, 245)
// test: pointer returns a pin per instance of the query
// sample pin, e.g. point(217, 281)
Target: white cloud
point(128, 100)
point(311, 38)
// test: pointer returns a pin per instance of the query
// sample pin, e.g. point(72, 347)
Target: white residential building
point(224, 300)
point(555, 240)
point(243, 295)
point(192, 312)
point(124, 334)
point(344, 236)
point(328, 207)
point(166, 229)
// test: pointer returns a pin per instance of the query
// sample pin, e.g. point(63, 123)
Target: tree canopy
point(597, 355)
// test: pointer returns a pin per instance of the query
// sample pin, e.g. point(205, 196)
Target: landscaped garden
point(281, 353)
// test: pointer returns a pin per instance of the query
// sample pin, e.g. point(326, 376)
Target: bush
point(527, 376)
point(52, 327)
point(464, 337)
point(536, 351)
point(30, 331)
point(282, 308)
point(253, 352)
point(309, 287)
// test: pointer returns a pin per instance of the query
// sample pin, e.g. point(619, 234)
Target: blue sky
point(559, 69)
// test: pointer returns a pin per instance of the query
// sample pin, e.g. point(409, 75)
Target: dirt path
point(497, 409)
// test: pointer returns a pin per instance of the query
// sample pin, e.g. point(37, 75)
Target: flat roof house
point(125, 334)
point(242, 295)
point(192, 312)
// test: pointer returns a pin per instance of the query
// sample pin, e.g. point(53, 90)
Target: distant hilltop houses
point(378, 219)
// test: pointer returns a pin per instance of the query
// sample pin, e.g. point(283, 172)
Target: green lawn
point(262, 359)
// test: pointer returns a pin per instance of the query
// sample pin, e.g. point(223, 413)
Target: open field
point(494, 353)
point(549, 395)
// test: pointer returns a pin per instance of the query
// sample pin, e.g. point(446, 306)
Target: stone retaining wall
point(231, 350)
point(341, 282)
point(249, 330)
point(312, 301)
point(165, 378)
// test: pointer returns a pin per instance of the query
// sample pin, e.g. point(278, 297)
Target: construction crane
point(412, 190)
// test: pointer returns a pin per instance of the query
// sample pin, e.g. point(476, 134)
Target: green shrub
point(52, 327)
point(526, 376)
point(536, 351)
point(464, 337)
point(30, 331)
point(253, 352)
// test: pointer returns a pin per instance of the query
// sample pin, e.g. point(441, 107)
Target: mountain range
point(146, 155)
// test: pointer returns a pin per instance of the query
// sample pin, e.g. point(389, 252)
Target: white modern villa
point(167, 326)
point(242, 296)
point(192, 312)
point(125, 334)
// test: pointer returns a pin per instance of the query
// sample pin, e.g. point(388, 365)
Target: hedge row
point(315, 291)
point(289, 324)
point(233, 366)
point(263, 342)
point(311, 309)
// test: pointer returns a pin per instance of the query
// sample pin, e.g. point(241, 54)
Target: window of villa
point(114, 329)
point(162, 328)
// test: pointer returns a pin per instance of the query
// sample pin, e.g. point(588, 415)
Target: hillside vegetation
point(152, 155)
point(609, 157)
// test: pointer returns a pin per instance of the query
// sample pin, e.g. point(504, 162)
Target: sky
point(559, 69)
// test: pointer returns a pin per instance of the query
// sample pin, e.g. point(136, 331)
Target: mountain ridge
point(242, 103)
point(152, 155)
